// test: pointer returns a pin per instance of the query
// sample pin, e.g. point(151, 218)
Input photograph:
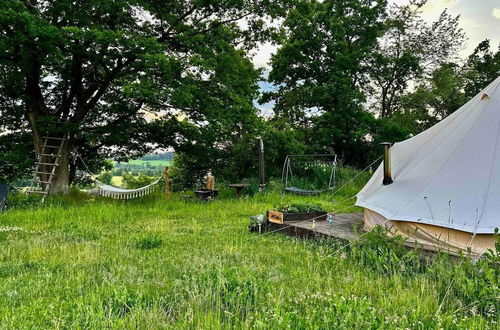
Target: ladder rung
point(54, 138)
point(46, 164)
point(51, 155)
point(47, 146)
point(45, 173)
point(40, 181)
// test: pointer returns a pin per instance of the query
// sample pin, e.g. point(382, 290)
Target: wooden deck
point(346, 227)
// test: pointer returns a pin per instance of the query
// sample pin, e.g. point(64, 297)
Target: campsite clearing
point(94, 262)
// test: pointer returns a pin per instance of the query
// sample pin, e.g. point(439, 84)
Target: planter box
point(279, 217)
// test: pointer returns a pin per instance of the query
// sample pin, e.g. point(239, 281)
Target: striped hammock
point(120, 193)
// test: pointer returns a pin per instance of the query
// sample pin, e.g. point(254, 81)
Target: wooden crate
point(279, 217)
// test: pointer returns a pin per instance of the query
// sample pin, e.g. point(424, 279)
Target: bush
point(105, 177)
point(299, 208)
point(134, 182)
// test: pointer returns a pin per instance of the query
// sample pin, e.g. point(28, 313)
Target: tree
point(410, 49)
point(432, 100)
point(319, 71)
point(448, 88)
point(481, 68)
point(101, 67)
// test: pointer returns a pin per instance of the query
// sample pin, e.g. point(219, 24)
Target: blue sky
point(480, 19)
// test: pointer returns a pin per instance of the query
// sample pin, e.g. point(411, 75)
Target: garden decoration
point(209, 192)
point(257, 222)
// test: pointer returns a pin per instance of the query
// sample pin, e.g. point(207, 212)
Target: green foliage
point(410, 49)
point(323, 98)
point(105, 177)
point(103, 67)
point(481, 68)
point(448, 88)
point(299, 208)
point(135, 182)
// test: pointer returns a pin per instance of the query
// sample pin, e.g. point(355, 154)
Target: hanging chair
point(307, 162)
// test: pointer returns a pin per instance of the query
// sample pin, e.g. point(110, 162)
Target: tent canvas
point(447, 177)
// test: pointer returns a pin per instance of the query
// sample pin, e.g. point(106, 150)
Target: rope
point(83, 162)
point(454, 277)
point(362, 171)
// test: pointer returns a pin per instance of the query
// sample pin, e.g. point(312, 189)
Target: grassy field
point(154, 163)
point(117, 181)
point(89, 262)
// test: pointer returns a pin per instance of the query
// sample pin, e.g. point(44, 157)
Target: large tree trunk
point(60, 182)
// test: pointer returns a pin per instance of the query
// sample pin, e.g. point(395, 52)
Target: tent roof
point(448, 175)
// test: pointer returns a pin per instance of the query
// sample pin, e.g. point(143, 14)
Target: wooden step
point(40, 181)
point(55, 138)
point(53, 164)
point(44, 173)
point(37, 192)
point(50, 155)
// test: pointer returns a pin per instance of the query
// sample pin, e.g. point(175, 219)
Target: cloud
point(263, 55)
point(496, 13)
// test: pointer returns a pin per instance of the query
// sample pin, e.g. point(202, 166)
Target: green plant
point(105, 177)
point(299, 208)
point(147, 242)
point(134, 182)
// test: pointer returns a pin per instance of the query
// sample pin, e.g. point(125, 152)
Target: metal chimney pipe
point(387, 164)
point(262, 180)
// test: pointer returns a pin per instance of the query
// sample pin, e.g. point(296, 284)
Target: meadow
point(80, 261)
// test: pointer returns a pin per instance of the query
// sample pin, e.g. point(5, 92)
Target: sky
point(480, 19)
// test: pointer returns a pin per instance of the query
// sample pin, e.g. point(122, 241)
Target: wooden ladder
point(50, 154)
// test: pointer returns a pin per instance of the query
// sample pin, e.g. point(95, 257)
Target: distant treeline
point(168, 156)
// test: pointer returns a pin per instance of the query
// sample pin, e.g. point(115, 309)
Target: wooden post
point(167, 180)
point(262, 180)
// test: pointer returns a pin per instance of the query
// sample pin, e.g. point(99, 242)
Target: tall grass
point(81, 261)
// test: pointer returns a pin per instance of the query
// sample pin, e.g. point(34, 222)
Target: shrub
point(105, 177)
point(133, 182)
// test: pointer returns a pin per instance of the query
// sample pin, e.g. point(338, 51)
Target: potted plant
point(296, 212)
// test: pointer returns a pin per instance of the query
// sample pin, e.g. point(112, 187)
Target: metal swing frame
point(287, 172)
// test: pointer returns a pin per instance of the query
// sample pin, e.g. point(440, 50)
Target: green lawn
point(149, 263)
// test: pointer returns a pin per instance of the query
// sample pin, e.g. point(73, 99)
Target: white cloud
point(496, 13)
point(263, 55)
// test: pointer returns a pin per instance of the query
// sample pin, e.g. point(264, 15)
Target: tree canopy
point(102, 67)
point(122, 78)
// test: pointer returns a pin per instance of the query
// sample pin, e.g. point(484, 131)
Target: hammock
point(120, 193)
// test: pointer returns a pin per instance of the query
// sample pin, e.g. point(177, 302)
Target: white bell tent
point(446, 189)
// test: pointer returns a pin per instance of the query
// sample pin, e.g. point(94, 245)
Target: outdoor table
point(239, 187)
